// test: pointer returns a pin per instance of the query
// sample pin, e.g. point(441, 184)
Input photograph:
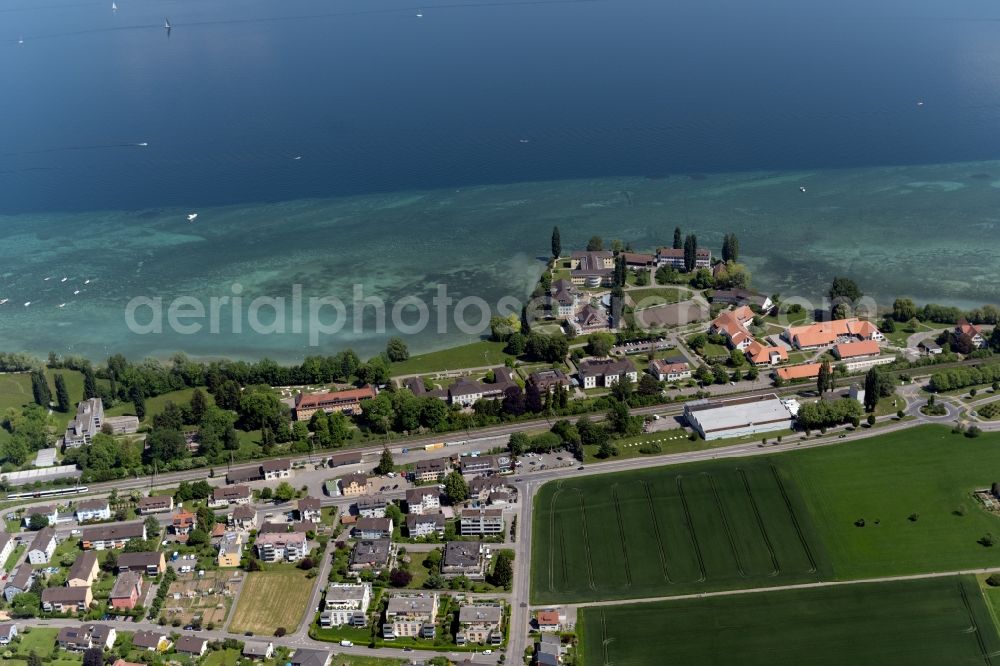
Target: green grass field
point(474, 355)
point(156, 404)
point(647, 298)
point(932, 622)
point(41, 641)
point(272, 599)
point(925, 471)
point(653, 532)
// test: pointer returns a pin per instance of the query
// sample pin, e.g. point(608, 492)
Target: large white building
point(410, 615)
point(89, 418)
point(739, 417)
point(346, 603)
point(278, 547)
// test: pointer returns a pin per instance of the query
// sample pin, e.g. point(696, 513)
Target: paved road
point(290, 641)
point(777, 588)
point(519, 616)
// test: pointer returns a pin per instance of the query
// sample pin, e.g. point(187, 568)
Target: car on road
point(407, 649)
point(346, 643)
point(579, 468)
point(487, 651)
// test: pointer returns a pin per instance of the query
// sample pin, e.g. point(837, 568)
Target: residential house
point(505, 495)
point(796, 372)
point(84, 570)
point(19, 581)
point(42, 546)
point(151, 563)
point(81, 430)
point(305, 526)
point(346, 604)
point(155, 504)
point(424, 524)
point(605, 372)
point(410, 615)
point(75, 639)
point(563, 299)
point(290, 547)
point(352, 485)
point(482, 487)
point(115, 535)
point(974, 333)
point(733, 325)
point(273, 528)
point(467, 391)
point(373, 506)
point(592, 269)
point(548, 620)
point(930, 348)
point(126, 591)
point(638, 260)
point(480, 623)
point(243, 516)
point(464, 558)
point(823, 334)
point(230, 549)
point(121, 425)
point(667, 371)
point(66, 599)
point(547, 380)
point(481, 521)
point(50, 512)
point(424, 499)
point(492, 464)
point(310, 509)
point(229, 496)
point(258, 650)
point(431, 470)
point(268, 470)
point(183, 522)
point(418, 388)
point(765, 355)
point(7, 546)
point(8, 632)
point(306, 657)
point(548, 650)
point(860, 349)
point(674, 258)
point(740, 297)
point(96, 509)
point(151, 641)
point(274, 470)
point(192, 645)
point(373, 554)
point(346, 402)
point(591, 318)
point(122, 662)
point(373, 528)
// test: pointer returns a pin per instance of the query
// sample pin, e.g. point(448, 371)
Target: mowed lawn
point(647, 298)
point(474, 355)
point(926, 471)
point(933, 622)
point(672, 530)
point(272, 599)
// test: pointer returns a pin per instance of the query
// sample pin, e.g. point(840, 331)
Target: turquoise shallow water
point(929, 232)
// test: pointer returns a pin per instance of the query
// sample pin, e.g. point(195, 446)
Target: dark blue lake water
point(402, 144)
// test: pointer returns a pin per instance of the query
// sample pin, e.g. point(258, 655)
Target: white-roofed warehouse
point(738, 417)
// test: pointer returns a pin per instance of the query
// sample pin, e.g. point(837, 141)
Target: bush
point(993, 580)
point(650, 448)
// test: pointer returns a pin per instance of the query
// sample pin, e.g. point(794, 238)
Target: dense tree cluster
point(957, 378)
point(825, 413)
